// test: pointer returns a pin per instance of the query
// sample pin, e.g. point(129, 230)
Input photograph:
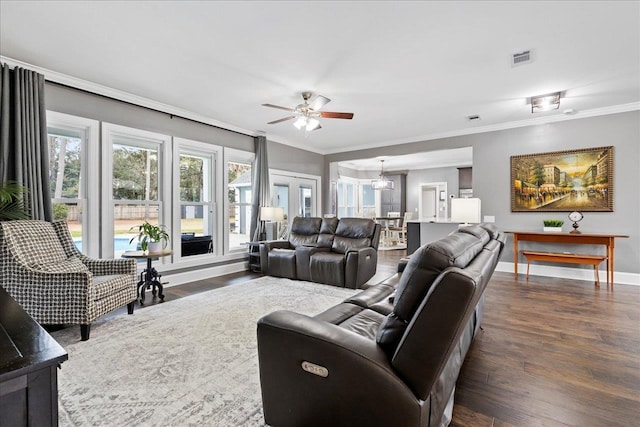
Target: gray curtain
point(24, 153)
point(260, 188)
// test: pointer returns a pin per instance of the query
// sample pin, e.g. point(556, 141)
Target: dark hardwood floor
point(552, 352)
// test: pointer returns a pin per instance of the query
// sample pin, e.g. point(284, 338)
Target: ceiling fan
point(307, 113)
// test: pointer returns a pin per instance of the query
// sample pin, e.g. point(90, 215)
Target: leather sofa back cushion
point(353, 233)
point(329, 226)
point(327, 232)
point(306, 226)
point(425, 265)
point(477, 231)
point(304, 231)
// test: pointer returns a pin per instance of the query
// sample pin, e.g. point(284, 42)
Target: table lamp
point(465, 211)
point(269, 214)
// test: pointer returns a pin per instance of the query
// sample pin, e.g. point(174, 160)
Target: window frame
point(215, 152)
point(88, 131)
point(142, 139)
point(232, 155)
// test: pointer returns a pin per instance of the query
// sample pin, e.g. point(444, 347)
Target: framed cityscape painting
point(563, 181)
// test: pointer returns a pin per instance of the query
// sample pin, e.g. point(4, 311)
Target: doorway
point(432, 201)
point(297, 195)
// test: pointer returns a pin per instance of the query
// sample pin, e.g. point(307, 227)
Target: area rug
point(188, 362)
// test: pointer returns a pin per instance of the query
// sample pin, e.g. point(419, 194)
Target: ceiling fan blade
point(281, 120)
point(278, 107)
point(334, 115)
point(318, 102)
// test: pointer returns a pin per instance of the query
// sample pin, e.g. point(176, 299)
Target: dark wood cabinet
point(29, 360)
point(465, 178)
point(394, 200)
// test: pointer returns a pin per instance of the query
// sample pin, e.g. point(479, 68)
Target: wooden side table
point(149, 278)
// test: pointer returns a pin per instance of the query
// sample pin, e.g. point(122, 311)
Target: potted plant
point(12, 201)
point(153, 238)
point(554, 225)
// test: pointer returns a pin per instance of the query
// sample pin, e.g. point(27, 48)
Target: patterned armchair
point(41, 268)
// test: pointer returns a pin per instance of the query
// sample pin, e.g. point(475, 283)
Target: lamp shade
point(465, 210)
point(270, 213)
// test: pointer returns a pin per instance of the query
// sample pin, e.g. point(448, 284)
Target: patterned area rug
point(188, 362)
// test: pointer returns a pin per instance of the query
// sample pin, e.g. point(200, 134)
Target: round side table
point(149, 278)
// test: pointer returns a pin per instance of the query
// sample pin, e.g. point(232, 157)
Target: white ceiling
point(408, 70)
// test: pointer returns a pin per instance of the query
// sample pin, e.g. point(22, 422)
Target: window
point(238, 177)
point(346, 199)
point(356, 198)
point(368, 200)
point(132, 183)
point(297, 194)
point(71, 153)
point(195, 208)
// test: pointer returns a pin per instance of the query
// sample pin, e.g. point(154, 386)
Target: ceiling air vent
point(520, 58)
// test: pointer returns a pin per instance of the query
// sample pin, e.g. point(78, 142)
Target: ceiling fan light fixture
point(306, 115)
point(300, 122)
point(312, 124)
point(382, 183)
point(547, 102)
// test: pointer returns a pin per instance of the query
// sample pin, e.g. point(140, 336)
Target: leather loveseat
point(339, 252)
point(391, 354)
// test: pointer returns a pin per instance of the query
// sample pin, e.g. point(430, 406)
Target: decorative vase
point(552, 229)
point(154, 246)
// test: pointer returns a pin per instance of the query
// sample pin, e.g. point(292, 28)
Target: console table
point(149, 278)
point(29, 360)
point(607, 240)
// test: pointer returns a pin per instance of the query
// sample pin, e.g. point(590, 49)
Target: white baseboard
point(570, 273)
point(204, 273)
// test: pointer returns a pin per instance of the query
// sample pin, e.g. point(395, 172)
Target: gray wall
point(78, 103)
point(491, 173)
point(293, 159)
point(425, 176)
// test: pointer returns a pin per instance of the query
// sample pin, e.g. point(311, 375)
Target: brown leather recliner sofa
point(340, 252)
point(391, 354)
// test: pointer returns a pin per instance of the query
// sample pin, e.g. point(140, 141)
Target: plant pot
point(552, 229)
point(154, 246)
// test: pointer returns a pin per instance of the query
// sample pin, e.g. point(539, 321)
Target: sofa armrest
point(101, 267)
point(308, 365)
point(265, 247)
point(360, 266)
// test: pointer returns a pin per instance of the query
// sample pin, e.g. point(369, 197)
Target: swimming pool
point(119, 244)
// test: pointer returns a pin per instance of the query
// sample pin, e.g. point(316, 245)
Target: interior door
point(296, 195)
point(429, 202)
